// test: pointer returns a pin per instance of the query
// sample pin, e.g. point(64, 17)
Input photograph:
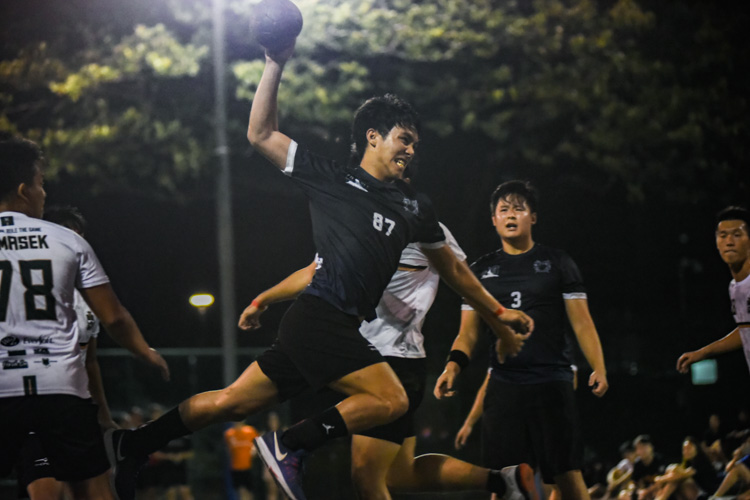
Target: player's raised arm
point(121, 326)
point(730, 342)
point(263, 130)
point(287, 289)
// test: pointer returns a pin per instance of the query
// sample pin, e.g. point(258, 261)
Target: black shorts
point(67, 430)
point(32, 464)
point(317, 344)
point(413, 376)
point(533, 423)
point(242, 479)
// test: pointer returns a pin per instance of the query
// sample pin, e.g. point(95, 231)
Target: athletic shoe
point(285, 465)
point(519, 483)
point(124, 469)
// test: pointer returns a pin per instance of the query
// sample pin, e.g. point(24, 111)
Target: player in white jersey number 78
point(43, 382)
point(733, 243)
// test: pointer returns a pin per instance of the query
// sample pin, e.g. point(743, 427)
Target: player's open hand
point(518, 320)
point(598, 383)
point(463, 435)
point(250, 317)
point(444, 387)
point(687, 359)
point(155, 359)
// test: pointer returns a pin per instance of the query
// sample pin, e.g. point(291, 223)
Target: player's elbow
point(257, 136)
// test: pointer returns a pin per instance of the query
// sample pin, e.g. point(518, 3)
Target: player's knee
point(397, 403)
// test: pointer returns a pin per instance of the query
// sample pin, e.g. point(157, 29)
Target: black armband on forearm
point(459, 357)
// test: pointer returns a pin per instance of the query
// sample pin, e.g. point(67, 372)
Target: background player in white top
point(733, 243)
point(383, 458)
point(43, 379)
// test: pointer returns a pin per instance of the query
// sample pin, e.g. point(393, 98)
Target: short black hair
point(381, 113)
point(642, 439)
point(66, 216)
point(19, 160)
point(522, 189)
point(626, 447)
point(734, 212)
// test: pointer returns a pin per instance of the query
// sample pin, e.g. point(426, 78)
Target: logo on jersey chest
point(6, 221)
point(491, 272)
point(542, 266)
point(411, 206)
point(9, 341)
point(354, 182)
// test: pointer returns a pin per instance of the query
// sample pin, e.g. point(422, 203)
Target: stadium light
point(201, 300)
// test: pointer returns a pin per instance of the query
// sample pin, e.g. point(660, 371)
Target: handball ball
point(276, 23)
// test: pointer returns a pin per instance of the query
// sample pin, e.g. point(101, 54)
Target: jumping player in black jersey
point(363, 218)
point(529, 409)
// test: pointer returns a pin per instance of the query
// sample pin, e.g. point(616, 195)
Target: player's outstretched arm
point(263, 128)
point(473, 417)
point(121, 326)
point(96, 387)
point(287, 289)
point(730, 342)
point(588, 340)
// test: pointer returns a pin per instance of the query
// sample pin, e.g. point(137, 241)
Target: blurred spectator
point(239, 440)
point(711, 443)
point(620, 477)
point(647, 466)
point(693, 478)
point(737, 477)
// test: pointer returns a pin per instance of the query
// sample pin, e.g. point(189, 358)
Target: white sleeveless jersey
point(739, 293)
point(397, 331)
point(41, 265)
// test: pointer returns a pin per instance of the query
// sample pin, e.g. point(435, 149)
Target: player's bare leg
point(97, 487)
point(376, 397)
point(45, 488)
point(252, 392)
point(433, 472)
point(372, 459)
point(572, 486)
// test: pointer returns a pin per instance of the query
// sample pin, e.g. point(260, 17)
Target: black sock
point(155, 435)
point(313, 432)
point(496, 483)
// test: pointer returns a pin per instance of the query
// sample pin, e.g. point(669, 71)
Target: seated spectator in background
point(620, 477)
point(711, 443)
point(693, 478)
point(647, 466)
point(737, 477)
point(739, 433)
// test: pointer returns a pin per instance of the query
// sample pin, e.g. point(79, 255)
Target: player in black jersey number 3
point(363, 217)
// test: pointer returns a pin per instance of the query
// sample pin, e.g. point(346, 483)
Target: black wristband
point(459, 357)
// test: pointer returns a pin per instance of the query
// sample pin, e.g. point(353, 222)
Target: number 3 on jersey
point(378, 222)
point(43, 269)
point(516, 300)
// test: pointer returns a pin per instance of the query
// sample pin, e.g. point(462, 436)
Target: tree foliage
point(603, 94)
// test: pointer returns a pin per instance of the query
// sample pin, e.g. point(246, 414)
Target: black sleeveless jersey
point(360, 227)
point(536, 282)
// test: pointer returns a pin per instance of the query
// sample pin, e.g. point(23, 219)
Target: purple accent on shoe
point(285, 465)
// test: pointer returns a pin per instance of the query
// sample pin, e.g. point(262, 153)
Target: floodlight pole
point(224, 235)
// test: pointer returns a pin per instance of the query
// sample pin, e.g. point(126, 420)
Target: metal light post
point(225, 239)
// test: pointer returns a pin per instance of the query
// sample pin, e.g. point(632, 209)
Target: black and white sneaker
point(125, 469)
point(519, 483)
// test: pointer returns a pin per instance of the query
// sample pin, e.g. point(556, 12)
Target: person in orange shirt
point(239, 439)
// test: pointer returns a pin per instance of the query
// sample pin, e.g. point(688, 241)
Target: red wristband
point(500, 310)
point(256, 303)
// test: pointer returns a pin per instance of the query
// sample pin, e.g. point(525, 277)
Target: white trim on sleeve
point(575, 296)
point(290, 154)
point(432, 246)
